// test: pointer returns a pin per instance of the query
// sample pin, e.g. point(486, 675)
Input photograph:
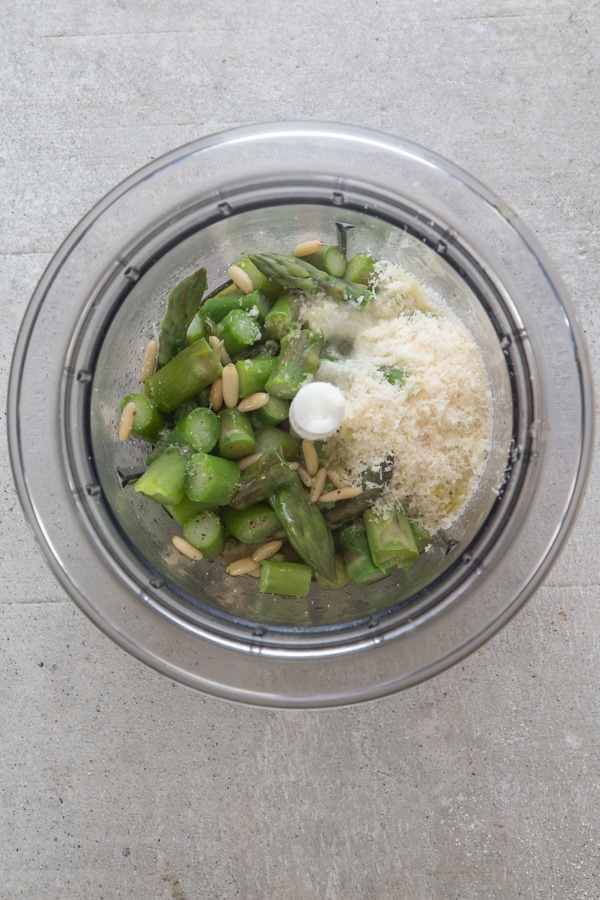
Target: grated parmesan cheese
point(436, 426)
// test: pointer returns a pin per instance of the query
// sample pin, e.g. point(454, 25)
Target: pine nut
point(241, 278)
point(345, 493)
point(311, 460)
point(305, 478)
point(254, 573)
point(214, 342)
point(253, 401)
point(335, 478)
point(215, 395)
point(127, 417)
point(186, 548)
point(307, 247)
point(294, 466)
point(231, 386)
point(267, 550)
point(242, 566)
point(248, 461)
point(149, 361)
point(318, 484)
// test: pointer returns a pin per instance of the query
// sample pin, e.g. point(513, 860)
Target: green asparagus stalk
point(260, 281)
point(287, 578)
point(261, 479)
point(422, 537)
point(236, 435)
point(283, 316)
point(187, 509)
point(373, 482)
point(238, 331)
point(184, 301)
point(357, 555)
point(341, 576)
point(393, 375)
point(149, 421)
point(163, 480)
point(272, 438)
point(276, 411)
point(205, 532)
point(296, 274)
point(184, 376)
point(305, 527)
point(391, 539)
point(216, 308)
point(297, 362)
point(257, 523)
point(199, 430)
point(253, 374)
point(329, 259)
point(198, 328)
point(345, 511)
point(210, 479)
point(361, 269)
point(263, 350)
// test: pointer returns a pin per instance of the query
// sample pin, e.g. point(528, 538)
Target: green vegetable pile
point(226, 467)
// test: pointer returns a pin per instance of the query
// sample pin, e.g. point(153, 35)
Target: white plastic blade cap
point(317, 410)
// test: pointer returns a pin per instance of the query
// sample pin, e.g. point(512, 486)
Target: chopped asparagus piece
point(283, 317)
point(257, 523)
point(373, 483)
point(204, 531)
point(236, 436)
point(391, 539)
point(357, 555)
point(341, 576)
point(163, 480)
point(253, 374)
point(210, 479)
point(238, 331)
point(199, 430)
point(305, 527)
point(297, 362)
point(330, 260)
point(361, 269)
point(198, 328)
point(421, 536)
point(259, 280)
point(296, 274)
point(272, 438)
point(184, 376)
point(276, 411)
point(149, 421)
point(267, 350)
point(184, 301)
point(187, 508)
point(261, 479)
point(287, 578)
point(216, 308)
point(393, 375)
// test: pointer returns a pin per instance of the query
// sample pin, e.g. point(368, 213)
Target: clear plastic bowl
point(79, 351)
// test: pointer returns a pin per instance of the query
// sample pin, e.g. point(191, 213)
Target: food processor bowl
point(267, 187)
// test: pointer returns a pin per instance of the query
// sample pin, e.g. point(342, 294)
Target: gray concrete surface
point(482, 784)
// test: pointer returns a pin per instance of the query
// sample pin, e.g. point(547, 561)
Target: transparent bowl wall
point(210, 203)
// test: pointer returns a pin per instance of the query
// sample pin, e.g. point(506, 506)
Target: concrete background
point(115, 782)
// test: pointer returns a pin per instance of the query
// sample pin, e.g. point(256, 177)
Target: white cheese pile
point(436, 425)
